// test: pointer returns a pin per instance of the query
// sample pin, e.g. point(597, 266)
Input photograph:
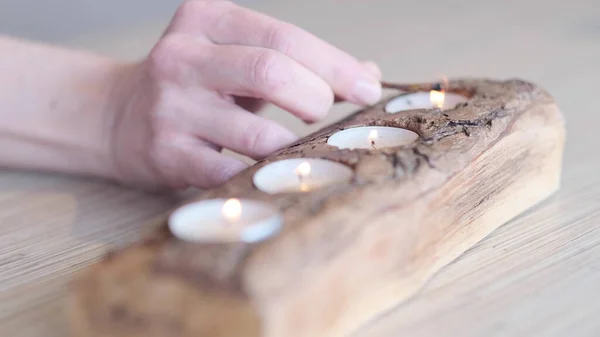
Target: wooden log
point(347, 252)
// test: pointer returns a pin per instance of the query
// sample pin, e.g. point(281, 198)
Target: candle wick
point(372, 137)
point(302, 172)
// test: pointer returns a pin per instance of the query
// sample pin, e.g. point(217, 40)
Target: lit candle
point(300, 175)
point(219, 220)
point(372, 137)
point(303, 172)
point(424, 100)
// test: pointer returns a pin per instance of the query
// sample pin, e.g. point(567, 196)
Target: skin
point(162, 122)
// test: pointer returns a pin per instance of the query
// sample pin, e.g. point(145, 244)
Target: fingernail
point(372, 68)
point(367, 91)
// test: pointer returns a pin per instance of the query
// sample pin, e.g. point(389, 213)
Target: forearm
point(56, 109)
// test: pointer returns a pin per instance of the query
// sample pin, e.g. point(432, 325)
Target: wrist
point(125, 131)
point(112, 90)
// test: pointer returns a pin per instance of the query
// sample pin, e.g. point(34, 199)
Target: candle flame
point(232, 210)
point(437, 98)
point(373, 135)
point(303, 170)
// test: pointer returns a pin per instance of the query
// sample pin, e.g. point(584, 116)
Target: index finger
point(226, 23)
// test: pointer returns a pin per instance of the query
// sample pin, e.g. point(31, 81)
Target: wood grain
point(347, 252)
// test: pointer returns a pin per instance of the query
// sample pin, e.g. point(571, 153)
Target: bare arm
point(163, 121)
point(54, 109)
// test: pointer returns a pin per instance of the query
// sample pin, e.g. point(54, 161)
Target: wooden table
point(538, 275)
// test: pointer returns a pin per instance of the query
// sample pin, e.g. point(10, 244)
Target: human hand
point(193, 95)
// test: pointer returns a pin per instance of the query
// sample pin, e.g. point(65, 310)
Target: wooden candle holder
point(347, 252)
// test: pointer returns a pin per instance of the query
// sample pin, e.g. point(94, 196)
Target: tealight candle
point(424, 100)
point(300, 175)
point(372, 137)
point(220, 220)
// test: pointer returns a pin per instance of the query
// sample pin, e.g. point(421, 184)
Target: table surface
point(538, 275)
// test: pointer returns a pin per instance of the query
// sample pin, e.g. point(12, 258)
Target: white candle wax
point(371, 137)
point(222, 220)
point(424, 100)
point(300, 175)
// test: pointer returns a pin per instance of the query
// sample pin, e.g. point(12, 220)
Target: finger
point(270, 75)
point(226, 23)
point(194, 163)
point(245, 133)
point(234, 128)
point(372, 68)
point(244, 71)
point(208, 168)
